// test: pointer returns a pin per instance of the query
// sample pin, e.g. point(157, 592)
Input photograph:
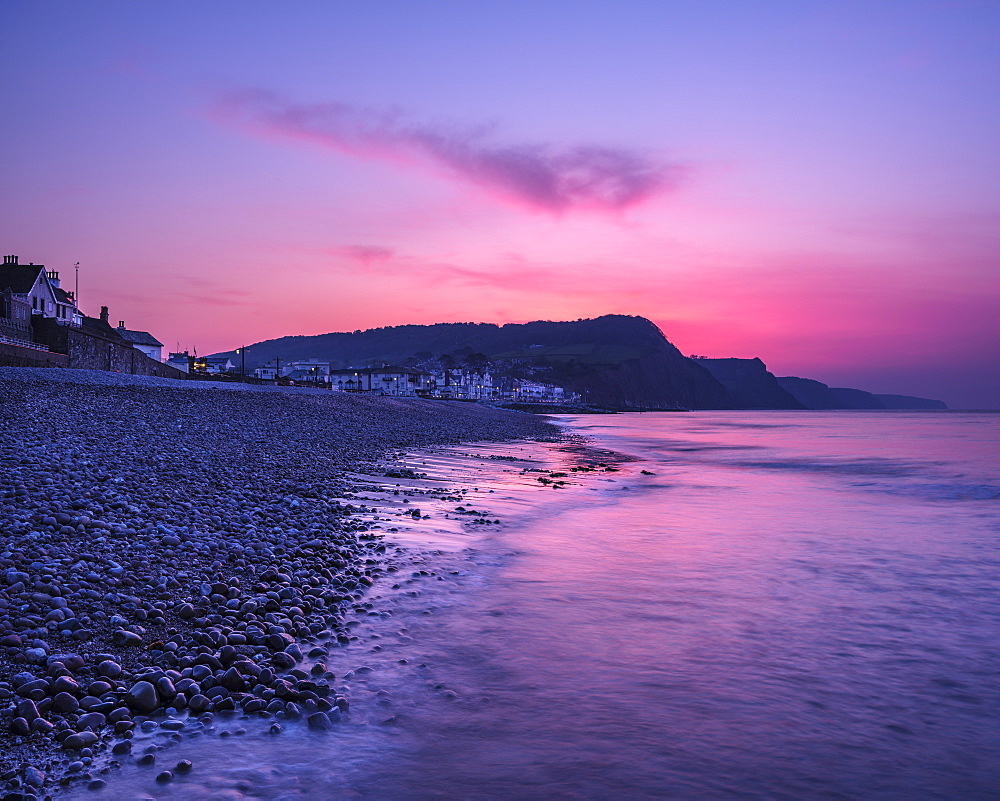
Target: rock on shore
point(165, 546)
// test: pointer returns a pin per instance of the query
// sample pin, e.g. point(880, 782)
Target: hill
point(615, 360)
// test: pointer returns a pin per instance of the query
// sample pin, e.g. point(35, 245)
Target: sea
point(689, 605)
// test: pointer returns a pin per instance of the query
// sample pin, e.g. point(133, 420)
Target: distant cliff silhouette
point(615, 360)
point(750, 384)
point(817, 395)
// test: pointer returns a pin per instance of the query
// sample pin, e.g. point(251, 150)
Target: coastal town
point(41, 325)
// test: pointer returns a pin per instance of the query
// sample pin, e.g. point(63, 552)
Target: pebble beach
point(175, 549)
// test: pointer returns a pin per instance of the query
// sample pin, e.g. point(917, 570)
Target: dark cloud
point(541, 176)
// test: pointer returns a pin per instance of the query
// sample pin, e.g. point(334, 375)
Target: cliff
point(750, 384)
point(910, 402)
point(617, 361)
point(817, 395)
point(614, 360)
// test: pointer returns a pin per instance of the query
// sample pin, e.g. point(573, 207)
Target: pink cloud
point(366, 254)
point(511, 273)
point(540, 176)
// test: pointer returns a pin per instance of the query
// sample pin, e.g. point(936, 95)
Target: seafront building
point(142, 341)
point(385, 380)
point(29, 291)
point(40, 289)
point(181, 360)
point(41, 325)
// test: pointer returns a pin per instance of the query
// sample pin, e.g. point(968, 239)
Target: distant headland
point(610, 363)
point(615, 361)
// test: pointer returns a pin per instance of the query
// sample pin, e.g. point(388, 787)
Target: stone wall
point(90, 352)
point(93, 350)
point(16, 356)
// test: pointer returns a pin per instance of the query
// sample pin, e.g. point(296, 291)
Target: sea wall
point(17, 356)
point(89, 350)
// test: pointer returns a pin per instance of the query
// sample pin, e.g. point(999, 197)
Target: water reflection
point(711, 628)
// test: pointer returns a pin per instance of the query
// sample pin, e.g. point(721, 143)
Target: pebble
point(319, 720)
point(172, 545)
point(143, 697)
point(80, 740)
point(33, 777)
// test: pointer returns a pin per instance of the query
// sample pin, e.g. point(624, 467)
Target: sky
point(816, 184)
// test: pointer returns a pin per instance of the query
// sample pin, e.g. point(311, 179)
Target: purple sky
point(813, 183)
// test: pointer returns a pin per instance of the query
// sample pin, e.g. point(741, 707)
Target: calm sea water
point(782, 606)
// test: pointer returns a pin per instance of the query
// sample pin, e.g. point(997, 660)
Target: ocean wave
point(938, 491)
point(871, 466)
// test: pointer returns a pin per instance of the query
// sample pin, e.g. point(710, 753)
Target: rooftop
point(20, 278)
point(139, 337)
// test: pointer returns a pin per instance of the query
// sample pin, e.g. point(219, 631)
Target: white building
point(180, 361)
point(313, 366)
point(385, 380)
point(214, 365)
point(39, 288)
point(535, 392)
point(142, 341)
point(463, 383)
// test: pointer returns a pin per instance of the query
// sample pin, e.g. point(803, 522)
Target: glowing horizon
point(812, 186)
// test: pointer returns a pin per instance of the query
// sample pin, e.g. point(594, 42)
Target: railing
point(20, 343)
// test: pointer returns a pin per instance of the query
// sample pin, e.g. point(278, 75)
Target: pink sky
point(815, 186)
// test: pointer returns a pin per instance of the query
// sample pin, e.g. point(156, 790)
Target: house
point(142, 341)
point(42, 326)
point(385, 380)
point(311, 377)
point(314, 366)
point(307, 371)
point(180, 361)
point(304, 371)
point(213, 365)
point(95, 345)
point(465, 383)
point(15, 319)
point(40, 289)
point(535, 392)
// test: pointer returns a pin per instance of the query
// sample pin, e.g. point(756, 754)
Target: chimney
point(121, 323)
point(53, 278)
point(104, 314)
point(10, 259)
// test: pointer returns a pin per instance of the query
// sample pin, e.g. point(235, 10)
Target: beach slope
point(171, 545)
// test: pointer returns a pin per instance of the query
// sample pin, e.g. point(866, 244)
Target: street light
point(243, 362)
